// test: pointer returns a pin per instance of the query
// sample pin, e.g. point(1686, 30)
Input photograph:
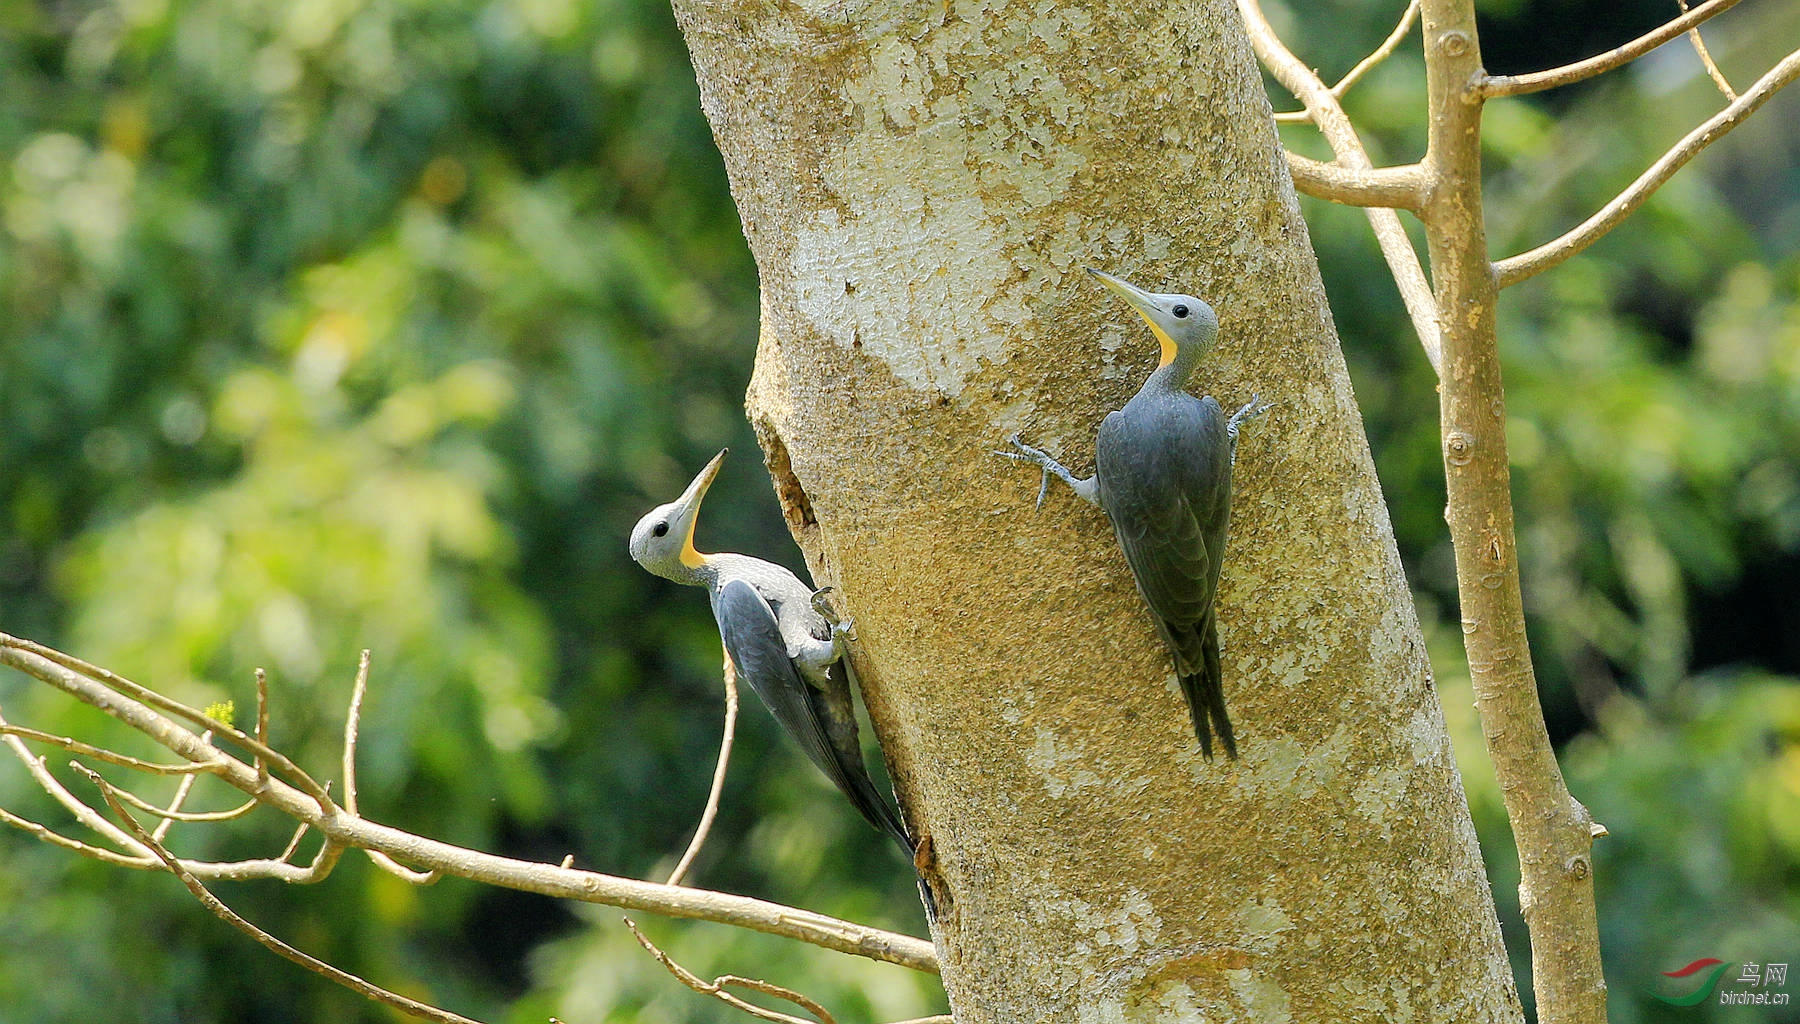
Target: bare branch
point(341, 830)
point(87, 816)
point(182, 790)
point(1495, 86)
point(1393, 187)
point(172, 814)
point(55, 838)
point(1396, 248)
point(236, 870)
point(151, 699)
point(262, 728)
point(716, 988)
point(351, 722)
point(1382, 52)
point(1556, 884)
point(1712, 68)
point(718, 782)
point(75, 746)
point(1514, 269)
point(137, 856)
point(368, 990)
point(287, 852)
point(205, 757)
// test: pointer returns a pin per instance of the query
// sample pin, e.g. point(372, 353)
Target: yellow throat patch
point(1162, 338)
point(689, 557)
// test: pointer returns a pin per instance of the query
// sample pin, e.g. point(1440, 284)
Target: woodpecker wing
point(1164, 469)
point(824, 725)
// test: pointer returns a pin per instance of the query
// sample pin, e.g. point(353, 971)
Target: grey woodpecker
point(1162, 473)
point(782, 640)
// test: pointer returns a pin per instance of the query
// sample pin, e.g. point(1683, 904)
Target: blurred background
point(375, 323)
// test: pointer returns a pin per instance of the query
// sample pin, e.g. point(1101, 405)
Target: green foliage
point(374, 323)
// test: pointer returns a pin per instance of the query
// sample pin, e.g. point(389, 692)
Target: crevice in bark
point(796, 507)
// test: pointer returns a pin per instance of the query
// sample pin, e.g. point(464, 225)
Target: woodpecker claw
point(1027, 453)
point(1252, 409)
point(845, 628)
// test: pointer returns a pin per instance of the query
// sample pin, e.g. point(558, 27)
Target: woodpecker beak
point(1131, 293)
point(687, 510)
point(690, 498)
point(1145, 304)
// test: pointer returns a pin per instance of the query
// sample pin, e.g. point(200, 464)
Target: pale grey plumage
point(1163, 475)
point(781, 645)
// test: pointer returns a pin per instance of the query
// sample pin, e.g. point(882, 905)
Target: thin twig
point(716, 988)
point(352, 720)
point(143, 695)
point(1495, 86)
point(1382, 52)
point(177, 815)
point(75, 746)
point(1706, 58)
point(718, 781)
point(366, 989)
point(234, 870)
point(341, 830)
point(87, 816)
point(262, 728)
point(1396, 248)
point(55, 838)
point(186, 786)
point(287, 852)
point(1514, 269)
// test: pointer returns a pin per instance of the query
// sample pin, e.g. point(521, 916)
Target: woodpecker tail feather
point(1215, 689)
point(1206, 696)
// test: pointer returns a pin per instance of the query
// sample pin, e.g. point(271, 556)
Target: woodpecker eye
point(660, 529)
point(1180, 312)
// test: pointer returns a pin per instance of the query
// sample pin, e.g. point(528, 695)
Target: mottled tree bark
point(920, 184)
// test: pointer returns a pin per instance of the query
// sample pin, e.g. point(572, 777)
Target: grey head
point(663, 541)
point(1185, 326)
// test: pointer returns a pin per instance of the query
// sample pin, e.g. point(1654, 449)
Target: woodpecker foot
point(1252, 409)
point(1088, 488)
point(845, 628)
point(1027, 453)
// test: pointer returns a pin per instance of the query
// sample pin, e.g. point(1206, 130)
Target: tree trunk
point(921, 184)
